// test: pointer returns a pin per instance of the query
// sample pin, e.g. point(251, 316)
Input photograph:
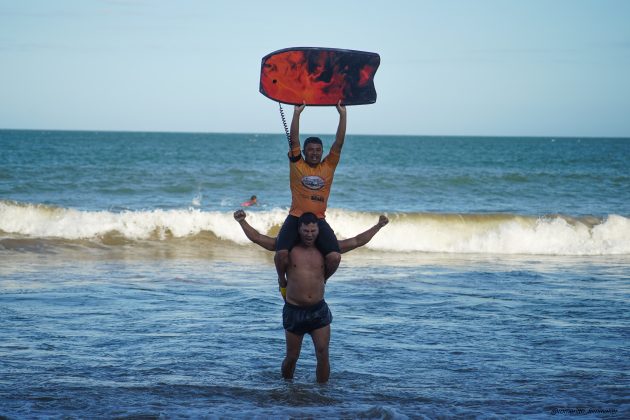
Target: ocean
point(499, 289)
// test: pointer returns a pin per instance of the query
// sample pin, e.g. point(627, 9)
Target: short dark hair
point(307, 219)
point(315, 140)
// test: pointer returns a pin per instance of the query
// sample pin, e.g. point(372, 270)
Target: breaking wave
point(406, 232)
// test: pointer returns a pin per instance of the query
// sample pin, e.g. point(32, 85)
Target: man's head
point(308, 229)
point(313, 150)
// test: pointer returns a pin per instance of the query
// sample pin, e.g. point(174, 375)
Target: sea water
point(500, 287)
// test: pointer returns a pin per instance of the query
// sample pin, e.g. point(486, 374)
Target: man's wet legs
point(321, 340)
point(294, 345)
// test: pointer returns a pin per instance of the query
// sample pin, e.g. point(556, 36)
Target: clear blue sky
point(522, 67)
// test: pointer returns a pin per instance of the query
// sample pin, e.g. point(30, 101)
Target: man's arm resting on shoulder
point(252, 234)
point(364, 237)
point(341, 129)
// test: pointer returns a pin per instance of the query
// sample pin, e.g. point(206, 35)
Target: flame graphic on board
point(319, 76)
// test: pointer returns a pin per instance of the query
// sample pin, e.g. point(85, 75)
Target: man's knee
point(333, 258)
point(291, 359)
point(321, 353)
point(282, 256)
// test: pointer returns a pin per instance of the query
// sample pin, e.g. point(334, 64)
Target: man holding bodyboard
point(311, 178)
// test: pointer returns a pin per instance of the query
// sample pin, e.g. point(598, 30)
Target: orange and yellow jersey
point(310, 185)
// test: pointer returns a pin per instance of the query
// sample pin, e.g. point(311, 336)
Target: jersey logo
point(313, 182)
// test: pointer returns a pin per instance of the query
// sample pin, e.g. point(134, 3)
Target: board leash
point(284, 122)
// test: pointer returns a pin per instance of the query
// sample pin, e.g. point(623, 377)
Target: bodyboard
point(319, 76)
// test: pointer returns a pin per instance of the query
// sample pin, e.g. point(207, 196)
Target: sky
point(485, 67)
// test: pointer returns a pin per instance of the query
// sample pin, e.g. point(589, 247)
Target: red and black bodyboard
point(319, 76)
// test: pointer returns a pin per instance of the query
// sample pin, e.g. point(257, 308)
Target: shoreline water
point(192, 337)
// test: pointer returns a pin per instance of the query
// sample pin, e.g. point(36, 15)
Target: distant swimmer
point(310, 179)
point(269, 243)
point(252, 202)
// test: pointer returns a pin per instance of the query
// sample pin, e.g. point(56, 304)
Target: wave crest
point(406, 232)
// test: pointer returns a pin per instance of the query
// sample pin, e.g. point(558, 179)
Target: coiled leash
point(284, 122)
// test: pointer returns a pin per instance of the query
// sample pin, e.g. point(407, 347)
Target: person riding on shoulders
point(311, 179)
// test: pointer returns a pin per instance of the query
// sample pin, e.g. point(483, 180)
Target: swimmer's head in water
point(313, 150)
point(308, 228)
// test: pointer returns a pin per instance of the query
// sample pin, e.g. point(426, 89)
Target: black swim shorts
point(304, 319)
point(288, 236)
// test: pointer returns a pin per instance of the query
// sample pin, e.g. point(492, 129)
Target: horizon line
point(576, 137)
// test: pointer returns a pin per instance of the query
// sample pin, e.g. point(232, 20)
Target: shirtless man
point(305, 310)
point(269, 243)
point(306, 269)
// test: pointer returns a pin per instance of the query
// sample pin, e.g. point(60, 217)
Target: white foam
point(439, 233)
point(49, 222)
point(492, 234)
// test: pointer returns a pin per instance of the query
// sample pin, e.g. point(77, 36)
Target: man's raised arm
point(341, 129)
point(364, 237)
point(345, 245)
point(295, 126)
point(252, 234)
